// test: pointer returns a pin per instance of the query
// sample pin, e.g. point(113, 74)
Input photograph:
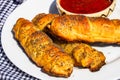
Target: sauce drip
point(85, 6)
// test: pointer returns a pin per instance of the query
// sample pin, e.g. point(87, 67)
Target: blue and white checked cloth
point(8, 71)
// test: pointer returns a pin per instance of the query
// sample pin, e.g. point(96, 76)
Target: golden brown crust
point(43, 20)
point(66, 26)
point(22, 29)
point(83, 55)
point(40, 48)
point(81, 28)
point(89, 57)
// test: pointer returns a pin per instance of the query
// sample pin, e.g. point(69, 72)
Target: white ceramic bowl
point(103, 13)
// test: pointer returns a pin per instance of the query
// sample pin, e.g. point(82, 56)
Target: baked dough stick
point(42, 20)
point(40, 48)
point(82, 28)
point(82, 54)
point(88, 57)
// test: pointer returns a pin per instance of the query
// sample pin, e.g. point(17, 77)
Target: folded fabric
point(8, 71)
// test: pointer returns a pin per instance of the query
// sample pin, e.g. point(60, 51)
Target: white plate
point(111, 71)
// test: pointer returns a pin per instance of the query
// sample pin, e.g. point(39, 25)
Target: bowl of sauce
point(91, 8)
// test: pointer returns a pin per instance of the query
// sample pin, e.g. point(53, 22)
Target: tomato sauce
point(85, 6)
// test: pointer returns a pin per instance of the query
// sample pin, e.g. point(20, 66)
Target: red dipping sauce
point(85, 6)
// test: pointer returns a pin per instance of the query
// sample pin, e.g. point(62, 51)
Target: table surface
point(8, 71)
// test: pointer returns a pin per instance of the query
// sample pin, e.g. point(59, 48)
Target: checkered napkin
point(8, 71)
